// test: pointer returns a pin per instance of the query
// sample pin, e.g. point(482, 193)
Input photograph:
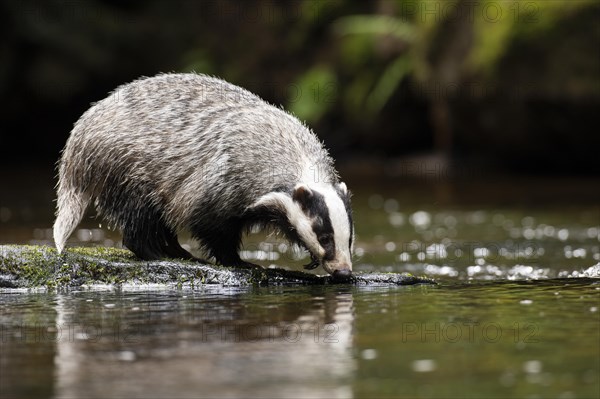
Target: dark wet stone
point(23, 266)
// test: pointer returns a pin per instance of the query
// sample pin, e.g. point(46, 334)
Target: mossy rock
point(24, 266)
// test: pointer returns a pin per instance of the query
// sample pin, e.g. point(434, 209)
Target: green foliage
point(388, 82)
point(499, 24)
point(379, 51)
point(369, 92)
point(379, 25)
point(313, 94)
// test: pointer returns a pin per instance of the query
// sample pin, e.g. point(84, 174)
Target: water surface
point(525, 339)
point(516, 313)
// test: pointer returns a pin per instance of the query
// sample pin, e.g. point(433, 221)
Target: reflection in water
point(501, 339)
point(280, 343)
point(27, 345)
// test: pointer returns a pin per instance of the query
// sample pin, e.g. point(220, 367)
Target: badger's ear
point(275, 201)
point(302, 194)
point(343, 188)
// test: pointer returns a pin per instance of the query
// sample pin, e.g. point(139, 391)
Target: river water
point(516, 313)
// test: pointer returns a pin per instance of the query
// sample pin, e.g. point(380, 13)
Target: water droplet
point(369, 354)
point(396, 219)
point(532, 367)
point(549, 231)
point(126, 356)
point(481, 252)
point(81, 336)
point(424, 365)
point(437, 251)
point(404, 257)
point(579, 253)
point(420, 219)
point(563, 234)
point(529, 233)
point(527, 221)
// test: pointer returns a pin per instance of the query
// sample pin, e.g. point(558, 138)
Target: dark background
point(486, 86)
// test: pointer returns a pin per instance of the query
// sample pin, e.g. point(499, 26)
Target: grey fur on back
point(191, 148)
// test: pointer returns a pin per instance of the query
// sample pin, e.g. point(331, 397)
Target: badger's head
point(319, 218)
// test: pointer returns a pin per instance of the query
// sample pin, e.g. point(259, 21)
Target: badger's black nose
point(342, 274)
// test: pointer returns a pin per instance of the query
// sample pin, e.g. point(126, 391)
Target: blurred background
point(509, 85)
point(454, 102)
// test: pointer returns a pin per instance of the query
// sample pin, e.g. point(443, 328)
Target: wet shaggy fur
point(185, 152)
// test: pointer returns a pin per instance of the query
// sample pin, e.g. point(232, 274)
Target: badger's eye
point(325, 240)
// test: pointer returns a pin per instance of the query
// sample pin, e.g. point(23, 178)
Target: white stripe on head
point(296, 217)
point(340, 224)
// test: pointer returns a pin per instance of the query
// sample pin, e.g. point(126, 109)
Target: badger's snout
point(338, 270)
point(342, 274)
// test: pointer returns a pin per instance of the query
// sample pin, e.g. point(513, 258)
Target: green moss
point(31, 263)
point(109, 254)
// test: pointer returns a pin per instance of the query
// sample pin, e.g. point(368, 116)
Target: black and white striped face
point(320, 218)
point(323, 221)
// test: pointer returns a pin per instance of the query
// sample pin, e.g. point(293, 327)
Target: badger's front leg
point(227, 254)
point(150, 238)
point(223, 242)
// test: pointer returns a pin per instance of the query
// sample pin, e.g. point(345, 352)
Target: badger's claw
point(314, 263)
point(311, 266)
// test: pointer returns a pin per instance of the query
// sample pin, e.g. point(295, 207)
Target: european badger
point(191, 152)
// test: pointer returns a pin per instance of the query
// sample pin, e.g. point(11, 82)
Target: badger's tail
point(71, 205)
